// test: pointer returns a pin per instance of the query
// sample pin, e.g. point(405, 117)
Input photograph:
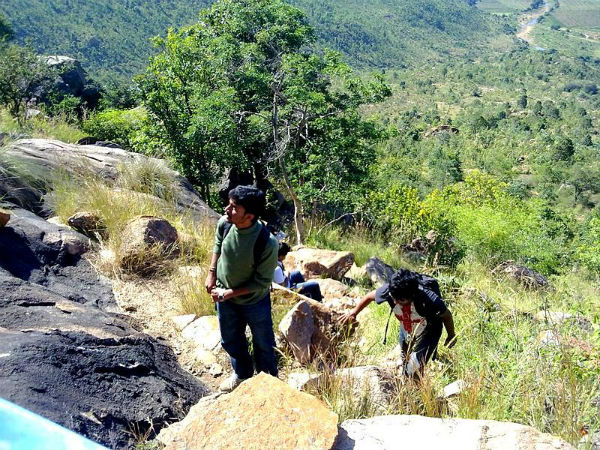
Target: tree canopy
point(245, 88)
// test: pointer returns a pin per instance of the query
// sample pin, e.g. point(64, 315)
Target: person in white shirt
point(294, 279)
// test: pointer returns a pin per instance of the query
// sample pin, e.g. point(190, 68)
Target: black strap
point(259, 245)
point(386, 327)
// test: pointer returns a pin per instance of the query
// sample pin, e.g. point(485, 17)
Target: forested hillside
point(112, 37)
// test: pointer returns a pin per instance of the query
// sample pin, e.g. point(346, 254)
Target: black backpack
point(426, 282)
point(259, 244)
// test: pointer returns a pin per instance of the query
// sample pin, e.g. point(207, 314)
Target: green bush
point(128, 128)
point(587, 251)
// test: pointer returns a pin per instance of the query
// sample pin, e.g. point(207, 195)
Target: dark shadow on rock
point(343, 441)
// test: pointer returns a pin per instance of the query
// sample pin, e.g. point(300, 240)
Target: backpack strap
point(260, 244)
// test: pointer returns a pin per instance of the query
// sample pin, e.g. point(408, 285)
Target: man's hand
point(220, 295)
point(347, 317)
point(450, 341)
point(211, 282)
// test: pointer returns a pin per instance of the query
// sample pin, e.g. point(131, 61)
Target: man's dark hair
point(284, 249)
point(251, 198)
point(403, 284)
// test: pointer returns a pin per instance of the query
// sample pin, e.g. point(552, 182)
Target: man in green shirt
point(239, 280)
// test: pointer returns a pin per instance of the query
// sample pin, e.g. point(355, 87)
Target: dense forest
point(112, 38)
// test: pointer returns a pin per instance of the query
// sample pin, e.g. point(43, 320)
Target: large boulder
point(314, 263)
point(312, 329)
point(48, 255)
point(400, 432)
point(49, 157)
point(145, 242)
point(262, 413)
point(65, 358)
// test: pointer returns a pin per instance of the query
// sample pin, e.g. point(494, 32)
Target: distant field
point(579, 13)
point(503, 6)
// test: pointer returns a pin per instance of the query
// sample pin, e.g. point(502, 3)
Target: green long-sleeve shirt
point(236, 266)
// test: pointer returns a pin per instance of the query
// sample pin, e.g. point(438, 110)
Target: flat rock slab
point(262, 413)
point(51, 156)
point(204, 332)
point(410, 432)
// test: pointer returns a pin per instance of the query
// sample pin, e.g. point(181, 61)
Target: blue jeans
point(309, 288)
point(233, 319)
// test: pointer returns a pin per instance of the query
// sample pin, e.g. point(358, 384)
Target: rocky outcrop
point(314, 263)
point(44, 254)
point(50, 157)
point(395, 432)
point(523, 275)
point(146, 241)
point(262, 413)
point(68, 359)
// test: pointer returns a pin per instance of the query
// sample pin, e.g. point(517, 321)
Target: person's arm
point(449, 325)
point(227, 293)
point(211, 278)
point(364, 302)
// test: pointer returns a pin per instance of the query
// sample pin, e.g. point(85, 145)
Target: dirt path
point(528, 20)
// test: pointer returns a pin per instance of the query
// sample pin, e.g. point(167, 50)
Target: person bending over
point(421, 312)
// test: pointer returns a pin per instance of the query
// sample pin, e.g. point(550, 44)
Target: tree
point(6, 32)
point(21, 73)
point(245, 88)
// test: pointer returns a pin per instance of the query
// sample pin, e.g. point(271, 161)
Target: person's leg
point(258, 316)
point(424, 347)
point(296, 277)
point(310, 289)
point(233, 338)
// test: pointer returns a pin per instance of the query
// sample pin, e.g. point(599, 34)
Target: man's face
point(236, 214)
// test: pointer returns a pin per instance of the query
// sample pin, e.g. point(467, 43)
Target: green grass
point(510, 376)
point(583, 14)
point(503, 6)
point(40, 127)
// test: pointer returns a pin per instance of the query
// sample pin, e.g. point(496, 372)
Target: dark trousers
point(309, 288)
point(233, 319)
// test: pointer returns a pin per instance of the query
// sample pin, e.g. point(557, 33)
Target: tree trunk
point(298, 210)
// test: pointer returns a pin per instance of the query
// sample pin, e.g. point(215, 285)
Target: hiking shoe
point(231, 383)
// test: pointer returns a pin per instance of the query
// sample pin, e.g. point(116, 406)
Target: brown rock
point(4, 218)
point(332, 289)
point(88, 223)
point(262, 413)
point(314, 263)
point(297, 328)
point(146, 241)
point(312, 319)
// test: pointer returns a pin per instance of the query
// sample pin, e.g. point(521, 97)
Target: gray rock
point(88, 223)
point(68, 360)
point(376, 383)
point(523, 275)
point(145, 242)
point(404, 432)
point(45, 158)
point(558, 318)
point(44, 254)
point(378, 271)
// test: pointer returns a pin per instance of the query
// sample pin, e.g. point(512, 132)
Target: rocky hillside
point(98, 340)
